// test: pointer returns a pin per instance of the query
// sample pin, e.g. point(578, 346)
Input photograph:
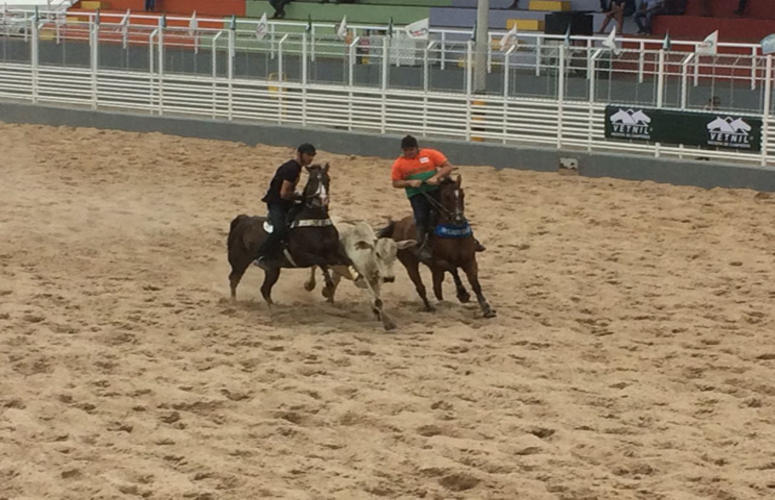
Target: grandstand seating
point(43, 4)
point(758, 21)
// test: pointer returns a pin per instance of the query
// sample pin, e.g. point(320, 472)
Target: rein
point(436, 204)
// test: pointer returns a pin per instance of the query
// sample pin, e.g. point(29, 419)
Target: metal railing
point(542, 91)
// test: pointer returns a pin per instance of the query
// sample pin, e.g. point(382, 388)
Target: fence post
point(351, 80)
point(685, 80)
point(767, 106)
point(592, 90)
point(385, 67)
point(215, 71)
point(506, 63)
point(304, 76)
point(443, 49)
point(230, 73)
point(753, 67)
point(34, 57)
point(94, 42)
point(560, 95)
point(161, 70)
point(280, 79)
point(469, 85)
point(151, 69)
point(489, 52)
point(660, 90)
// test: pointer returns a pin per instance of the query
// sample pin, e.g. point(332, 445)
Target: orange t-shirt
point(423, 167)
point(426, 160)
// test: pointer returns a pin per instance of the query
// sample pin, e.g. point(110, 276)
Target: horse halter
point(320, 193)
point(456, 215)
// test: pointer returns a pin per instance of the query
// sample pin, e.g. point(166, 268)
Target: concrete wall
point(703, 174)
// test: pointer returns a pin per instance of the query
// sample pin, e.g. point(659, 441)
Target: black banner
point(705, 129)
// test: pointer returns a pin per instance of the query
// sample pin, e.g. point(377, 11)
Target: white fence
point(542, 92)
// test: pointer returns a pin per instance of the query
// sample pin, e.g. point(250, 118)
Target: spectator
point(713, 103)
point(150, 5)
point(741, 7)
point(615, 11)
point(648, 9)
point(675, 7)
point(279, 8)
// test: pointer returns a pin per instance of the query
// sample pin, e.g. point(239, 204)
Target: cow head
point(385, 250)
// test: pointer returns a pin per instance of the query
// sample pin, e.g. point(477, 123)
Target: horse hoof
point(429, 308)
point(309, 286)
point(464, 298)
point(388, 325)
point(490, 313)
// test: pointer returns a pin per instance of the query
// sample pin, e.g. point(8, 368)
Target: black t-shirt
point(288, 171)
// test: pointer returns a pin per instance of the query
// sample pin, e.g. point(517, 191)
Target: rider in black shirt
point(280, 198)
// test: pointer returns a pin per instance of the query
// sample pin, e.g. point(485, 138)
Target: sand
point(633, 355)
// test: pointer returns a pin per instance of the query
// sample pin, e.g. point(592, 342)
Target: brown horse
point(312, 240)
point(452, 245)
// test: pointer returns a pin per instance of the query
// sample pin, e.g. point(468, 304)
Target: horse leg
point(237, 271)
point(438, 279)
point(412, 266)
point(472, 270)
point(330, 288)
point(270, 278)
point(309, 285)
point(462, 294)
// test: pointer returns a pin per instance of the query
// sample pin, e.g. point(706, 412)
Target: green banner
point(705, 129)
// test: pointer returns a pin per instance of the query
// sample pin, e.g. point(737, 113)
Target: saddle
point(296, 223)
point(268, 227)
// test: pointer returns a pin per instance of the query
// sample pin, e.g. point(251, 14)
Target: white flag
point(193, 25)
point(709, 45)
point(418, 29)
point(610, 42)
point(262, 27)
point(768, 44)
point(341, 30)
point(509, 39)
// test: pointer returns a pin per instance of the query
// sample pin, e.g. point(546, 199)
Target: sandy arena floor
point(633, 355)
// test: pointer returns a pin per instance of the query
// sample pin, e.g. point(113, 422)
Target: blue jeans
point(278, 217)
point(422, 209)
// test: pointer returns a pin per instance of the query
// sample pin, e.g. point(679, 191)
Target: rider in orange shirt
point(419, 172)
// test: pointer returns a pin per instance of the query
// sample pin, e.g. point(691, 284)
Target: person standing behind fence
point(150, 5)
point(279, 8)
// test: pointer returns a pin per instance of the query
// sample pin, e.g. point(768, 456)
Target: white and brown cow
point(372, 259)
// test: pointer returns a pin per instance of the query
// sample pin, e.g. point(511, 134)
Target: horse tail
point(387, 231)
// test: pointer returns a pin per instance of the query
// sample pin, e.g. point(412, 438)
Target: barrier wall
point(707, 175)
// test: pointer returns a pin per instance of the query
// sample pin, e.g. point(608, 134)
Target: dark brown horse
point(312, 240)
point(452, 244)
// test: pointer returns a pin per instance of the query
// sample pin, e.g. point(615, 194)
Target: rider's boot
point(424, 253)
point(478, 247)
